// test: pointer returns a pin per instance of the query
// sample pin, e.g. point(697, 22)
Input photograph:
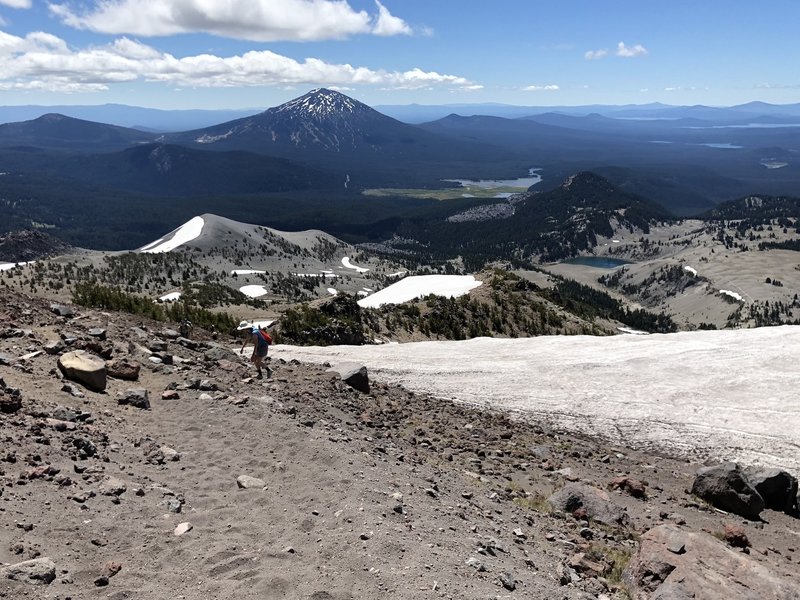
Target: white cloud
point(632, 52)
point(541, 88)
point(43, 61)
point(595, 54)
point(17, 3)
point(388, 24)
point(621, 51)
point(255, 20)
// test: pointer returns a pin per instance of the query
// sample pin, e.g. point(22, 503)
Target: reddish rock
point(706, 568)
point(634, 487)
point(735, 536)
point(170, 395)
point(124, 368)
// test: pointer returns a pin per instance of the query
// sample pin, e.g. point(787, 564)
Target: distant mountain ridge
point(61, 132)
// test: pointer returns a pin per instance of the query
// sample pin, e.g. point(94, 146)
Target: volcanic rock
point(39, 571)
point(84, 368)
point(353, 374)
point(588, 502)
point(778, 488)
point(726, 487)
point(708, 569)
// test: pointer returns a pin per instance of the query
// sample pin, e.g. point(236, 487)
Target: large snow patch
point(729, 394)
point(183, 234)
point(418, 286)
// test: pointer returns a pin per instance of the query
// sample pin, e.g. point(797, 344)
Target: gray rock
point(97, 332)
point(170, 334)
point(476, 564)
point(778, 488)
point(508, 581)
point(6, 359)
point(157, 346)
point(62, 310)
point(215, 353)
point(247, 482)
point(39, 571)
point(55, 347)
point(170, 454)
point(113, 487)
point(84, 368)
point(726, 488)
point(353, 374)
point(65, 414)
point(589, 502)
point(139, 397)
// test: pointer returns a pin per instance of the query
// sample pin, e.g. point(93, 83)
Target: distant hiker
point(261, 342)
point(186, 328)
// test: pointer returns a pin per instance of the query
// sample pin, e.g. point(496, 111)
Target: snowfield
point(418, 286)
point(728, 394)
point(9, 266)
point(253, 291)
point(185, 233)
point(348, 265)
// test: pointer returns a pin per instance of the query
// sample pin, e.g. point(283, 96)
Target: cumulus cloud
point(44, 61)
point(254, 20)
point(622, 51)
point(632, 52)
point(595, 54)
point(541, 88)
point(387, 24)
point(17, 3)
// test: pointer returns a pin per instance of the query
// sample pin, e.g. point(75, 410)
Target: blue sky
point(259, 53)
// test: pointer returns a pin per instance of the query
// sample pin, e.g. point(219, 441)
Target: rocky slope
point(190, 479)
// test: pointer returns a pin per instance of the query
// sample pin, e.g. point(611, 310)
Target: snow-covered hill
point(724, 394)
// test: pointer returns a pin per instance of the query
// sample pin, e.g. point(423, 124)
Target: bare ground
point(386, 494)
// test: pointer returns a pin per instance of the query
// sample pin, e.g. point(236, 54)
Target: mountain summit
point(322, 104)
point(321, 120)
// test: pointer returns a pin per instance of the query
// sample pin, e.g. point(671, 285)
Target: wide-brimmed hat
point(243, 325)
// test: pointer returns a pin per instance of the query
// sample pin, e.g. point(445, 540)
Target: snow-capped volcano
point(321, 104)
point(320, 124)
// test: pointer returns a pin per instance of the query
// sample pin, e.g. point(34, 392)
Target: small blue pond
point(599, 262)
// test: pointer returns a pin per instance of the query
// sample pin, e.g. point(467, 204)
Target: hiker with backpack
point(261, 342)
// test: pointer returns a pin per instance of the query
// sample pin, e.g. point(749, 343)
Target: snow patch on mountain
point(183, 234)
point(450, 286)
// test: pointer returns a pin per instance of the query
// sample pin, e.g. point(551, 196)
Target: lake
point(598, 262)
point(523, 182)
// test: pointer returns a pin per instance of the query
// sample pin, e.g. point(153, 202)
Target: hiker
point(186, 329)
point(261, 341)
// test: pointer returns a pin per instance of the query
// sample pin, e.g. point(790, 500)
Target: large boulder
point(84, 368)
point(217, 353)
point(39, 571)
point(726, 487)
point(353, 374)
point(589, 502)
point(778, 488)
point(672, 564)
